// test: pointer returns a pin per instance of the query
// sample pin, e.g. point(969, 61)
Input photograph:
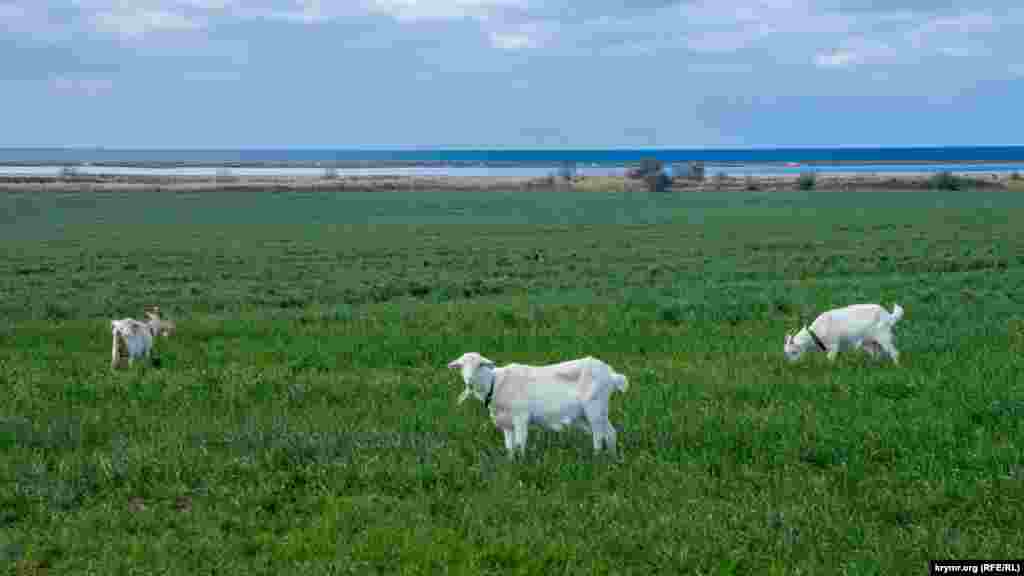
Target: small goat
point(865, 327)
point(136, 338)
point(554, 396)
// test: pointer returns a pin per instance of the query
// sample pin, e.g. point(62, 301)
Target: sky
point(510, 73)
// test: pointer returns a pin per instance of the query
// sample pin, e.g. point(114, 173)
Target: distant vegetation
point(652, 172)
point(807, 180)
point(946, 181)
point(1016, 181)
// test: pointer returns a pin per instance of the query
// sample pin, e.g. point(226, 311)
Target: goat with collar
point(137, 337)
point(865, 327)
point(555, 396)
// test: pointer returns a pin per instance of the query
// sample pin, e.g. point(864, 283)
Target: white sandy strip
point(508, 171)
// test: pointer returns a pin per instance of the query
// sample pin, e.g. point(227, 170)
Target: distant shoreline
point(278, 170)
point(544, 157)
point(228, 183)
point(378, 163)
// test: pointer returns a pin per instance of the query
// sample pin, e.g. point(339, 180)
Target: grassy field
point(302, 420)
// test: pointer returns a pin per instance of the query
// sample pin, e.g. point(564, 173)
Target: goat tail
point(114, 352)
point(897, 313)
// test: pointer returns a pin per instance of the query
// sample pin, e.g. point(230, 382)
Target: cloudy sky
point(511, 73)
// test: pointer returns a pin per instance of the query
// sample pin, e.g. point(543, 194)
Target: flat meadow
point(301, 419)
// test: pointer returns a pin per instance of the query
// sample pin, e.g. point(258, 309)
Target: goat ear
point(455, 364)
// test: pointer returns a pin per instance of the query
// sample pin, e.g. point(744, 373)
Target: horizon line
point(502, 148)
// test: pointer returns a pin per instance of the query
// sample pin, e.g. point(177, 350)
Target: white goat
point(555, 396)
point(865, 327)
point(137, 337)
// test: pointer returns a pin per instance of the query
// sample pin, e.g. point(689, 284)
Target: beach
point(835, 181)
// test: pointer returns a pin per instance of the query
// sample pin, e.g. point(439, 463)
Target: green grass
point(302, 421)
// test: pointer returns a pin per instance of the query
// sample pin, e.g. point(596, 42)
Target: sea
point(505, 162)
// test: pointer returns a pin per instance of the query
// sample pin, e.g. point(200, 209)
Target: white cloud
point(854, 51)
point(767, 38)
point(293, 11)
point(529, 35)
point(972, 23)
point(10, 12)
point(723, 26)
point(31, 18)
point(414, 10)
point(81, 86)
point(407, 11)
point(208, 4)
point(838, 59)
point(139, 20)
point(512, 41)
point(955, 51)
point(304, 11)
point(954, 36)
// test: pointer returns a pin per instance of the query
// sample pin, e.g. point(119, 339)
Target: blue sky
point(510, 73)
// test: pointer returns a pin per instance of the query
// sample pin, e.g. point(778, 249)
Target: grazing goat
point(865, 327)
point(554, 396)
point(135, 338)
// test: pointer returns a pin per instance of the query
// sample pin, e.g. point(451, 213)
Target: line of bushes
point(652, 172)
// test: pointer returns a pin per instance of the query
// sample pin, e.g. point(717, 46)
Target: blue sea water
point(507, 163)
point(608, 157)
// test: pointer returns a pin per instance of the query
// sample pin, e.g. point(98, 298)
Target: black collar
point(490, 393)
point(817, 340)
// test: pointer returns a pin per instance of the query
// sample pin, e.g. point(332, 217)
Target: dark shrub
point(652, 172)
point(657, 182)
point(647, 166)
point(807, 181)
point(672, 312)
point(945, 181)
